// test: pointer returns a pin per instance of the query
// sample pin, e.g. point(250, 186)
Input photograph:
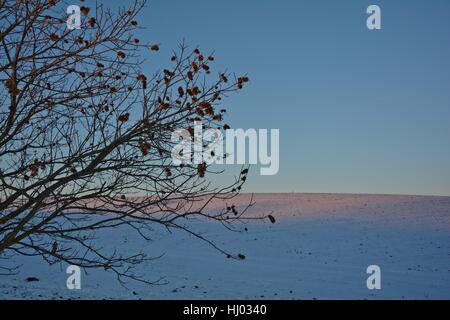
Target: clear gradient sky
point(359, 111)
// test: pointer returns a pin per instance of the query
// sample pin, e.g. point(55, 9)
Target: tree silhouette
point(85, 136)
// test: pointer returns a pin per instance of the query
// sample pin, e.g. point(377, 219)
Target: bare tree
point(85, 136)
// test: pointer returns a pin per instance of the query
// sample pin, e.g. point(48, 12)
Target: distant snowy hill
point(319, 248)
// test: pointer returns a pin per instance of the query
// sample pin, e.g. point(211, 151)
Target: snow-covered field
point(319, 248)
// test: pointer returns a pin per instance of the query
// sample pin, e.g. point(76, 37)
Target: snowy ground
point(319, 248)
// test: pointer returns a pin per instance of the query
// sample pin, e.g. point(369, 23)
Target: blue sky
point(358, 110)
